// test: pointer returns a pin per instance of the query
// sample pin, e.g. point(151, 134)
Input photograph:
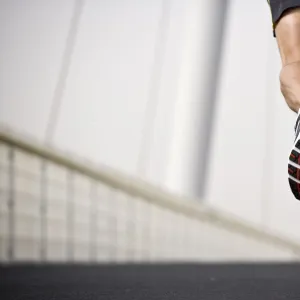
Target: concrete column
point(193, 116)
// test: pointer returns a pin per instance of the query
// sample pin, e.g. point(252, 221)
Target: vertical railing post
point(149, 233)
point(130, 230)
point(134, 220)
point(70, 216)
point(93, 223)
point(113, 227)
point(43, 212)
point(11, 205)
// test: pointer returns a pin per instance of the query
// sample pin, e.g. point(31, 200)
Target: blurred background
point(143, 131)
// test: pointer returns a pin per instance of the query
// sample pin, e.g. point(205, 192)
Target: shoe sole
point(294, 170)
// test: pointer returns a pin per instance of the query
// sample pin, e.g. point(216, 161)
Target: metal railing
point(57, 207)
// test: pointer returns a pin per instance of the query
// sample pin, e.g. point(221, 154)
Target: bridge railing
point(57, 207)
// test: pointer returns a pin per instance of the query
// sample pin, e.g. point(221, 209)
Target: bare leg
point(286, 16)
point(288, 38)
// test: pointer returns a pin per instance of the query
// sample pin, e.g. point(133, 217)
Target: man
point(286, 25)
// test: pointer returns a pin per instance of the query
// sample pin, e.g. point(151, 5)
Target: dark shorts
point(278, 7)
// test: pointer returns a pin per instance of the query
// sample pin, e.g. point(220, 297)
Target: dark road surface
point(159, 282)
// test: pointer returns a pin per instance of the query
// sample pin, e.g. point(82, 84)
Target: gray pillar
point(197, 86)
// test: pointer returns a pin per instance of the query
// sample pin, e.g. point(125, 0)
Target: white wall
point(135, 92)
point(253, 131)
